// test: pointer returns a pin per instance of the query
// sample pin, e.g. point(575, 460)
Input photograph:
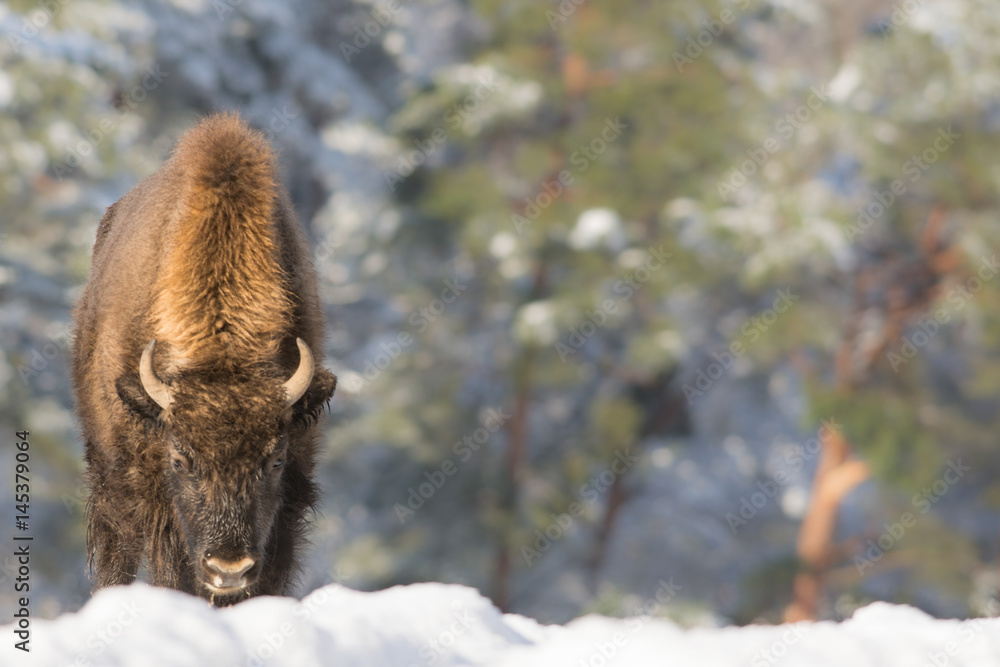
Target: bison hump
point(221, 291)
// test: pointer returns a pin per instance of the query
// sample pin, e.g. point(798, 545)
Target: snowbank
point(438, 624)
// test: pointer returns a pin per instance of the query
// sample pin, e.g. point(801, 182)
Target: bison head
point(228, 468)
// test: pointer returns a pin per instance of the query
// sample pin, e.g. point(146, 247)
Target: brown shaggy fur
point(205, 257)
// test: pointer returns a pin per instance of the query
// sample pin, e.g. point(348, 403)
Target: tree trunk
point(836, 476)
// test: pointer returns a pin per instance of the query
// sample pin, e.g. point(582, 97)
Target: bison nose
point(227, 574)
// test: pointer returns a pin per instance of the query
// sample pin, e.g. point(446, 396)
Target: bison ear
point(135, 398)
point(308, 408)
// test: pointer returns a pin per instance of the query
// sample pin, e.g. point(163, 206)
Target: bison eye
point(179, 465)
point(277, 464)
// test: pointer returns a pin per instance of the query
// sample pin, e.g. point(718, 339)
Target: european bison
point(198, 377)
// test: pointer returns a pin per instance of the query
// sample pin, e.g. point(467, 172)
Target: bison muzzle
point(197, 365)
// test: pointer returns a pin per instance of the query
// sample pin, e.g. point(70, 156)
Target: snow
point(442, 624)
point(598, 226)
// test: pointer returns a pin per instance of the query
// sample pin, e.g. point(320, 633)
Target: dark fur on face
point(212, 493)
point(230, 473)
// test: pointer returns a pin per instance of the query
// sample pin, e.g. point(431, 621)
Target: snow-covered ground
point(438, 624)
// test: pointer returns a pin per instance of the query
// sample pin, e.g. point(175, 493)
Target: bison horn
point(155, 387)
point(296, 385)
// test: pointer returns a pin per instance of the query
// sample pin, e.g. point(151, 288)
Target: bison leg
point(114, 544)
point(282, 567)
point(114, 559)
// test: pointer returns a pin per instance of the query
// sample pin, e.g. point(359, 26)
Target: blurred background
point(686, 308)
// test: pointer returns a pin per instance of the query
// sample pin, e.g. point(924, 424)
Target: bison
point(197, 374)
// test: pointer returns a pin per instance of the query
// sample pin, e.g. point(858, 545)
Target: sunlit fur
point(205, 257)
